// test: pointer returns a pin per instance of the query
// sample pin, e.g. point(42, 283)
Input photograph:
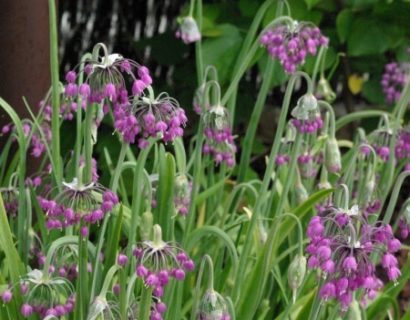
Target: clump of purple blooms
point(182, 197)
point(393, 80)
point(219, 141)
point(342, 246)
point(77, 203)
point(291, 43)
point(158, 261)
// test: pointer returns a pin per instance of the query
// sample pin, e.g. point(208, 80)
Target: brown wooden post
point(24, 53)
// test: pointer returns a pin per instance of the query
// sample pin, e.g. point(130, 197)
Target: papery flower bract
point(306, 115)
point(213, 307)
point(188, 30)
point(292, 42)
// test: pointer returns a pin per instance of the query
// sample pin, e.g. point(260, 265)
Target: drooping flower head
point(219, 141)
point(182, 198)
point(306, 114)
point(213, 307)
point(10, 199)
point(394, 79)
point(78, 202)
point(46, 296)
point(291, 42)
point(188, 30)
point(158, 261)
point(342, 246)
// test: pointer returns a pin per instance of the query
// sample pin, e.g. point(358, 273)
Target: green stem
point(145, 304)
point(394, 196)
point(82, 282)
point(88, 143)
point(359, 115)
point(78, 139)
point(254, 120)
point(118, 168)
point(245, 48)
point(137, 194)
point(268, 173)
point(55, 94)
point(198, 45)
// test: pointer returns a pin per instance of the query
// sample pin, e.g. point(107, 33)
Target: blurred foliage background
point(364, 36)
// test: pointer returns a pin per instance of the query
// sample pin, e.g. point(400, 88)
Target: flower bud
point(332, 156)
point(325, 91)
point(296, 272)
point(213, 306)
point(188, 30)
point(301, 193)
point(146, 225)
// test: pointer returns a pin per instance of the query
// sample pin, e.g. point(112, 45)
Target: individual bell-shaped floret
point(188, 30)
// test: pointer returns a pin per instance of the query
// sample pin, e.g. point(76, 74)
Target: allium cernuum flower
point(150, 117)
point(188, 30)
point(213, 307)
point(306, 115)
point(182, 198)
point(292, 42)
point(394, 79)
point(77, 202)
point(219, 141)
point(47, 296)
point(158, 261)
point(343, 246)
point(109, 75)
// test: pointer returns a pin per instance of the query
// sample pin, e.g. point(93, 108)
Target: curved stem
point(55, 93)
point(394, 196)
point(332, 117)
point(341, 122)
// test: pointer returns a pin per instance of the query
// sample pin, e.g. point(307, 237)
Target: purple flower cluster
point(10, 199)
point(182, 198)
point(44, 296)
point(158, 261)
point(342, 245)
point(393, 80)
point(309, 125)
point(402, 148)
point(78, 203)
point(219, 141)
point(292, 43)
point(149, 118)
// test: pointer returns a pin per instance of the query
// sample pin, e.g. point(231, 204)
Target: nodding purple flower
point(182, 197)
point(158, 261)
point(107, 76)
point(122, 260)
point(10, 199)
point(47, 295)
point(6, 296)
point(78, 202)
point(402, 147)
point(342, 246)
point(188, 30)
point(394, 79)
point(213, 306)
point(219, 141)
point(292, 42)
point(150, 117)
point(306, 115)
